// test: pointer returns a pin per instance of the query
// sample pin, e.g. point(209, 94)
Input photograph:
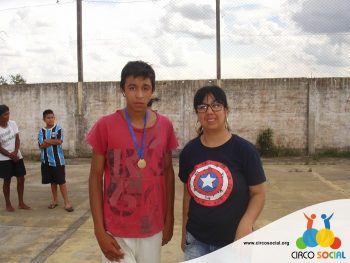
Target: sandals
point(52, 206)
point(69, 209)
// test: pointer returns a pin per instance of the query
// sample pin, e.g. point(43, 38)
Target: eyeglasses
point(215, 106)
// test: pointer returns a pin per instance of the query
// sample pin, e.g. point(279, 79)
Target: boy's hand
point(45, 144)
point(13, 156)
point(168, 230)
point(110, 247)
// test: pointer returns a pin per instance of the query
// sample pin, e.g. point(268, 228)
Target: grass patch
point(265, 144)
point(332, 153)
point(267, 148)
point(285, 152)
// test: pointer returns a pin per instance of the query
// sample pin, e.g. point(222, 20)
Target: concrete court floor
point(43, 235)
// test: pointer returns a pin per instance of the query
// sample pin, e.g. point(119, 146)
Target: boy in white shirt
point(11, 160)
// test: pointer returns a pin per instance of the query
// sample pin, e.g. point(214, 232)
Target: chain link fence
point(259, 39)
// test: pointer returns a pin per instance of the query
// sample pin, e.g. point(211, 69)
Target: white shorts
point(139, 250)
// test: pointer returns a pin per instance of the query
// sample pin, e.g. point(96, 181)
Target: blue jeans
point(195, 248)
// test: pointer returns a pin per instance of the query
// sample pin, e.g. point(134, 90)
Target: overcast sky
point(259, 39)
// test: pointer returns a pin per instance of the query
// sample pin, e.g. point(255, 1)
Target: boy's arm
point(58, 140)
point(107, 243)
point(3, 151)
point(13, 155)
point(49, 142)
point(170, 193)
point(42, 144)
point(17, 143)
point(185, 206)
point(53, 141)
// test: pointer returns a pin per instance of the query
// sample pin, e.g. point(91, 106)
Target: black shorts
point(52, 174)
point(10, 168)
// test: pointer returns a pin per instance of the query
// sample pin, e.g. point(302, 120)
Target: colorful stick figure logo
point(323, 237)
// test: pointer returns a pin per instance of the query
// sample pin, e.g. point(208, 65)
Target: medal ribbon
point(140, 151)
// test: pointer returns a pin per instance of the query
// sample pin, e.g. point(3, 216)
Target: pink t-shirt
point(134, 198)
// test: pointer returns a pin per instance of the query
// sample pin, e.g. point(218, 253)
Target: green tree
point(17, 79)
point(3, 81)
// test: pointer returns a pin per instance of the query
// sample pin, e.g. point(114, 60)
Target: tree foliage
point(3, 81)
point(13, 79)
point(17, 79)
point(265, 143)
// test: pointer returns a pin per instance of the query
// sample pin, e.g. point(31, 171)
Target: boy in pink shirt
point(131, 182)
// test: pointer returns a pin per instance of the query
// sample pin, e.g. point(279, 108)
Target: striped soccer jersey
point(52, 155)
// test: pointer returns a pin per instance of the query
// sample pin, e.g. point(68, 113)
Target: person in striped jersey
point(50, 141)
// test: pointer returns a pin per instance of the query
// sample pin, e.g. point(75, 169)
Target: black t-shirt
point(218, 180)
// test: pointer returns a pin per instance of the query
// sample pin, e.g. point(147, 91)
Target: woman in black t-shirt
point(223, 180)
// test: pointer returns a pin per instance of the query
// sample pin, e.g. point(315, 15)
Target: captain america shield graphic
point(210, 183)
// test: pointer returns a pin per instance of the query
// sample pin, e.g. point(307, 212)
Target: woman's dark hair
point(137, 69)
point(4, 108)
point(217, 92)
point(150, 103)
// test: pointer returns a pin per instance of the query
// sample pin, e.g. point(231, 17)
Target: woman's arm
point(255, 205)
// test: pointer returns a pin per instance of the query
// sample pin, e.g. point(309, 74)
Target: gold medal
point(141, 163)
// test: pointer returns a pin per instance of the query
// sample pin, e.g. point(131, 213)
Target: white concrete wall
point(332, 118)
point(304, 113)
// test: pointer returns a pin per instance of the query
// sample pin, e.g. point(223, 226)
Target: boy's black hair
point(137, 69)
point(47, 112)
point(3, 108)
point(217, 92)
